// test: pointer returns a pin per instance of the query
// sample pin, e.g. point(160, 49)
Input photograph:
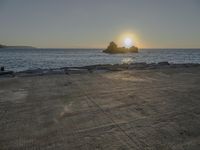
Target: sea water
point(24, 59)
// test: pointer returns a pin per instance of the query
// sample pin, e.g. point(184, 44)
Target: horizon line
point(94, 48)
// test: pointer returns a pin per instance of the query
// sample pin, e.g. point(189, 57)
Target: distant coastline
point(17, 47)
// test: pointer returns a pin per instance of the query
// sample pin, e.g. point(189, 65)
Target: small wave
point(127, 61)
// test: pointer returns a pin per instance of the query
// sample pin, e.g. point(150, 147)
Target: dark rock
point(113, 49)
point(164, 63)
point(6, 73)
point(2, 68)
point(76, 71)
point(34, 71)
point(141, 65)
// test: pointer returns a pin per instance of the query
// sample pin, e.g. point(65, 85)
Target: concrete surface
point(134, 109)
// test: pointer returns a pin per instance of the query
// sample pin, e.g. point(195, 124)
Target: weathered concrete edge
point(97, 68)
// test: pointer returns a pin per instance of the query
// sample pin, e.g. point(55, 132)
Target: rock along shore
point(96, 68)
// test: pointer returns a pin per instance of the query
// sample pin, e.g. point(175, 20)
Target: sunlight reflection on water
point(127, 60)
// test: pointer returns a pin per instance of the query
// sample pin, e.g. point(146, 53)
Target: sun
point(128, 39)
point(128, 42)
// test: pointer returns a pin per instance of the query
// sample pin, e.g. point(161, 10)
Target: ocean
point(25, 59)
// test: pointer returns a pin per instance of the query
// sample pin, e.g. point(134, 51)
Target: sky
point(94, 23)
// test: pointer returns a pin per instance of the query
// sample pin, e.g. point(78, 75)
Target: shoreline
point(96, 68)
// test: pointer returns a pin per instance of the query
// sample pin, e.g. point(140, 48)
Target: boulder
point(2, 69)
point(114, 49)
point(164, 63)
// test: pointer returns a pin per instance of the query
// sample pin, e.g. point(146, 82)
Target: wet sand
point(151, 109)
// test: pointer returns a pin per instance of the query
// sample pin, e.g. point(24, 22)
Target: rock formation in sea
point(114, 49)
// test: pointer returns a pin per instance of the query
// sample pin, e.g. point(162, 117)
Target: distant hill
point(16, 47)
point(2, 46)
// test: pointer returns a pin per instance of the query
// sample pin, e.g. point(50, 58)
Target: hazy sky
point(94, 23)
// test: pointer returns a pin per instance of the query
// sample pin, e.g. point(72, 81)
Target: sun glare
point(128, 42)
point(128, 39)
